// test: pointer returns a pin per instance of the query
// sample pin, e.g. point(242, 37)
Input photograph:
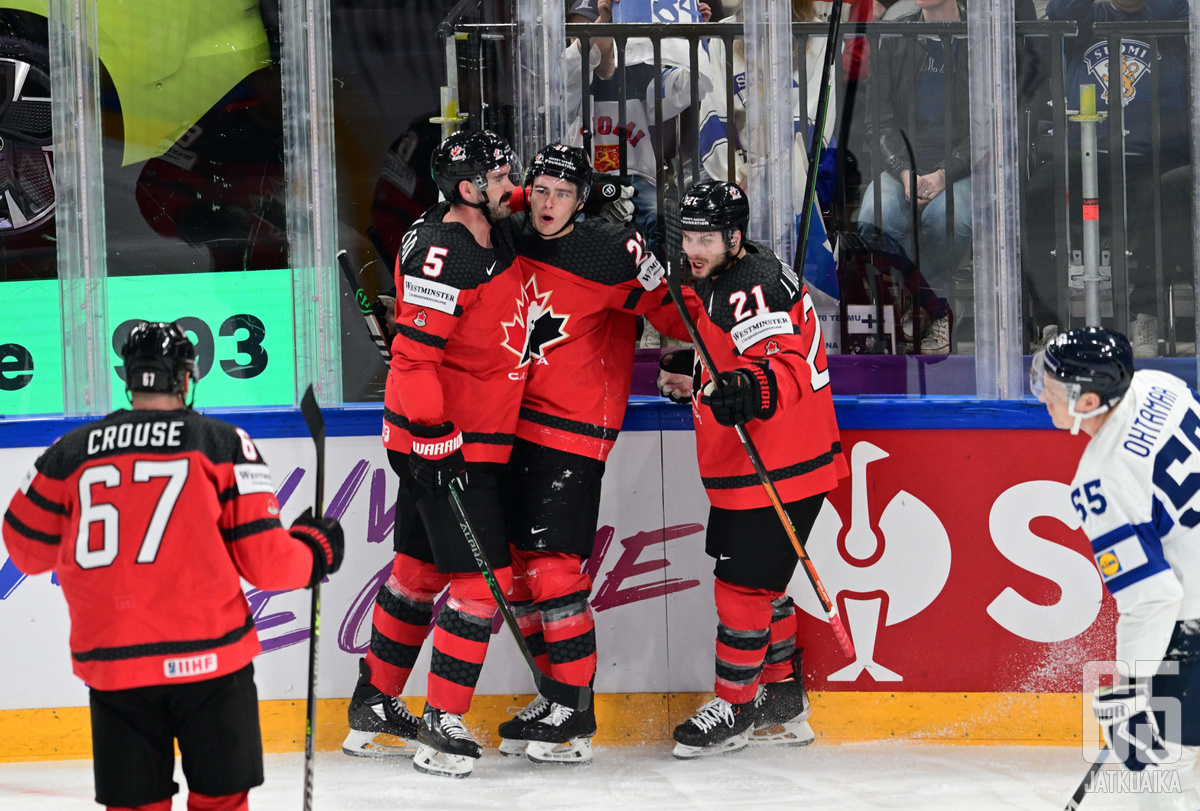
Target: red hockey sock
point(226, 802)
point(400, 622)
point(561, 591)
point(743, 633)
point(778, 664)
point(529, 619)
point(460, 640)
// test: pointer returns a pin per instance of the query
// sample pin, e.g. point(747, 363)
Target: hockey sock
point(460, 640)
point(561, 591)
point(226, 802)
point(529, 619)
point(743, 633)
point(158, 805)
point(778, 664)
point(400, 623)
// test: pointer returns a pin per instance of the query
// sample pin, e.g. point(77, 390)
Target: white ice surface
point(887, 775)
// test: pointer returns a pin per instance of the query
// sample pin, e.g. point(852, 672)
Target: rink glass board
point(31, 348)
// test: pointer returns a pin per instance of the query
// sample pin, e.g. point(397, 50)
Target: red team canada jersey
point(149, 519)
point(460, 348)
point(585, 291)
point(758, 309)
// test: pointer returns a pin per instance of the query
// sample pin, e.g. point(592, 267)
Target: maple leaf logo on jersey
point(542, 327)
point(420, 319)
point(516, 332)
point(772, 348)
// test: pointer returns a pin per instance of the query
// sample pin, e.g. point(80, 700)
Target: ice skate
point(380, 725)
point(444, 746)
point(562, 735)
point(716, 728)
point(783, 711)
point(512, 731)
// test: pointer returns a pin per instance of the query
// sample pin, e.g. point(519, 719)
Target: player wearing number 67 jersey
point(1135, 493)
point(150, 518)
point(759, 326)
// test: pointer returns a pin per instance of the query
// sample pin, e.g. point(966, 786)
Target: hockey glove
point(1129, 726)
point(742, 395)
point(675, 375)
point(436, 456)
point(325, 538)
point(610, 198)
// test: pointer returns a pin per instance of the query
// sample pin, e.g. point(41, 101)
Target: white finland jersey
point(1135, 491)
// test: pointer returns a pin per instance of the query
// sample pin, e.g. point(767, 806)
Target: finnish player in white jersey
point(1135, 492)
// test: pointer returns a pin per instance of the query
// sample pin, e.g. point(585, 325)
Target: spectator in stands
point(607, 128)
point(820, 272)
point(1087, 60)
point(923, 96)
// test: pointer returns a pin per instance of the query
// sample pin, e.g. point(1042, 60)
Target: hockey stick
point(569, 695)
point(672, 239)
point(814, 147)
point(316, 427)
point(916, 230)
point(375, 324)
point(1086, 783)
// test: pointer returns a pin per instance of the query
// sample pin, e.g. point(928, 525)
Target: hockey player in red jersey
point(586, 281)
point(450, 410)
point(759, 325)
point(149, 518)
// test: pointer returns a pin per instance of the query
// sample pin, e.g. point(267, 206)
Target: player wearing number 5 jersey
point(758, 323)
point(1135, 495)
point(458, 367)
point(150, 518)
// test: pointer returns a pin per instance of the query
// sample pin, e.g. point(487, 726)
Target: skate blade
point(376, 745)
point(793, 733)
point(734, 744)
point(511, 747)
point(428, 760)
point(576, 752)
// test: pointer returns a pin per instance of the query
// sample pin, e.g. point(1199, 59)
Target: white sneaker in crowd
point(936, 340)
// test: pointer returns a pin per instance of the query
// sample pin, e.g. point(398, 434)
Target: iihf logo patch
point(420, 319)
point(1135, 64)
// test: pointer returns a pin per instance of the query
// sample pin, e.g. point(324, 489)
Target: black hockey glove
point(610, 198)
point(436, 456)
point(1129, 726)
point(675, 375)
point(742, 395)
point(325, 538)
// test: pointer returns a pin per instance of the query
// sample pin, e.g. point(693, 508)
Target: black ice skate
point(783, 711)
point(380, 725)
point(562, 735)
point(716, 728)
point(444, 746)
point(512, 731)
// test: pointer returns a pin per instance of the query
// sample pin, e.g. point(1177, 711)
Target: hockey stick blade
point(675, 286)
point(569, 695)
point(377, 329)
point(1086, 783)
point(316, 427)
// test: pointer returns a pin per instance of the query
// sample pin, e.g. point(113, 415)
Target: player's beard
point(499, 210)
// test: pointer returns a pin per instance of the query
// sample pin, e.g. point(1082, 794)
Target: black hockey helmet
point(562, 161)
point(470, 155)
point(714, 205)
point(158, 357)
point(1083, 360)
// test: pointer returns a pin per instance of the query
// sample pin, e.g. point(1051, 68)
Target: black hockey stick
point(672, 241)
point(1086, 783)
point(814, 148)
point(380, 334)
point(316, 427)
point(569, 695)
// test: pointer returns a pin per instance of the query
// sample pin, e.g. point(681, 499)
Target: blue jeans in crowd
point(938, 257)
